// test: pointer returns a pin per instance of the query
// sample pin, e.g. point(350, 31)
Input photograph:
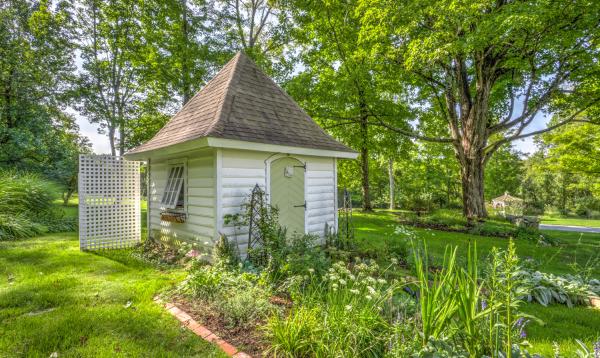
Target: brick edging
point(202, 331)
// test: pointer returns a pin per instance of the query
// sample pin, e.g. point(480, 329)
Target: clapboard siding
point(200, 198)
point(320, 195)
point(236, 172)
point(242, 170)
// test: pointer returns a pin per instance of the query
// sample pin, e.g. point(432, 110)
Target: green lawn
point(54, 298)
point(375, 233)
point(568, 221)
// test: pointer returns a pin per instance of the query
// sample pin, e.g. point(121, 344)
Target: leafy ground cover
point(570, 221)
point(54, 298)
point(378, 233)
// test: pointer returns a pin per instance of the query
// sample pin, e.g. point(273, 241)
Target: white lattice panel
point(109, 202)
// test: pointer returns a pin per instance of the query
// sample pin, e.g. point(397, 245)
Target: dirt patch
point(249, 338)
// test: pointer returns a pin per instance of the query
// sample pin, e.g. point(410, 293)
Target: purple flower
point(597, 349)
point(519, 322)
point(523, 334)
point(483, 305)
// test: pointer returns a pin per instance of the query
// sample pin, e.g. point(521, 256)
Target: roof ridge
point(222, 117)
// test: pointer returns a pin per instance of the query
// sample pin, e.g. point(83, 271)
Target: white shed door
point(109, 202)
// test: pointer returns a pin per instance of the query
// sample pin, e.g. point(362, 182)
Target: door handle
point(301, 206)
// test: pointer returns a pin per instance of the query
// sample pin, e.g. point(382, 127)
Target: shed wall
point(241, 170)
point(200, 198)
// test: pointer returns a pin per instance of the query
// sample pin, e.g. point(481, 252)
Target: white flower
point(352, 277)
point(394, 261)
point(368, 297)
point(342, 281)
point(371, 290)
point(355, 291)
point(311, 270)
point(348, 307)
point(381, 281)
point(335, 286)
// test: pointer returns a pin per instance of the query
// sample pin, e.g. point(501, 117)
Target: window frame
point(172, 205)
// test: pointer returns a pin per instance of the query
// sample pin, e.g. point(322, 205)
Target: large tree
point(36, 67)
point(487, 69)
point(176, 56)
point(258, 27)
point(337, 85)
point(109, 83)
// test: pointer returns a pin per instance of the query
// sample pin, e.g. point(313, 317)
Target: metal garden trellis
point(346, 226)
point(256, 209)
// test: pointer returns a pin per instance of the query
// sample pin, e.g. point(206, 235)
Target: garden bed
point(248, 338)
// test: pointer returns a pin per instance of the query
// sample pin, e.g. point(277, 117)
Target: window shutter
point(173, 187)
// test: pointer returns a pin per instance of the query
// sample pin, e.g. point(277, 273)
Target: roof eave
point(170, 150)
point(277, 148)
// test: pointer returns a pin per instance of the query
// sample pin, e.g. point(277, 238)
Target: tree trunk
point(364, 159)
point(392, 186)
point(472, 188)
point(111, 139)
point(121, 133)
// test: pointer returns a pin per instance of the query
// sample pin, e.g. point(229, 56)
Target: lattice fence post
point(109, 202)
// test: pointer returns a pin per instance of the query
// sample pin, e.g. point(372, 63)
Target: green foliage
point(278, 254)
point(26, 206)
point(36, 65)
point(452, 220)
point(344, 314)
point(235, 295)
point(438, 305)
point(547, 288)
point(226, 251)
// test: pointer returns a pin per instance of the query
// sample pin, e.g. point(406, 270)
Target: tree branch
point(409, 133)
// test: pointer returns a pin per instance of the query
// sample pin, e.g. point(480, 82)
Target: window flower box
point(173, 216)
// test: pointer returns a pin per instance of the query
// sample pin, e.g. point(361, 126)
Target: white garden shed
point(240, 130)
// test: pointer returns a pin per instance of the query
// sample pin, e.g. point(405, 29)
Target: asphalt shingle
point(243, 103)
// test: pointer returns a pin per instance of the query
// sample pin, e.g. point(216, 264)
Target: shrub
point(278, 255)
point(547, 288)
point(241, 306)
point(457, 317)
point(26, 207)
point(235, 295)
point(347, 314)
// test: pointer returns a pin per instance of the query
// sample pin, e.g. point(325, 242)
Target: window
point(173, 196)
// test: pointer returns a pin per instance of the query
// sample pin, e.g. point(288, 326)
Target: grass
point(54, 298)
point(562, 325)
point(375, 232)
point(569, 221)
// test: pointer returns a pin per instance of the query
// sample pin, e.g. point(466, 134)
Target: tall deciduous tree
point(176, 55)
point(258, 27)
point(488, 68)
point(36, 67)
point(337, 84)
point(110, 77)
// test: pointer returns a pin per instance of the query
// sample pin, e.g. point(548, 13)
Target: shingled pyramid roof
point(243, 103)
